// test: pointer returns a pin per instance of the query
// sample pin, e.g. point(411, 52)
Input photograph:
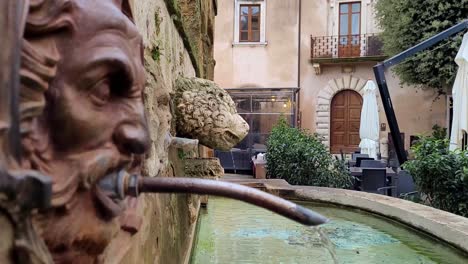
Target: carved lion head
point(207, 112)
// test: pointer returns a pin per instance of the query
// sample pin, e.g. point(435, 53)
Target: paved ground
point(231, 176)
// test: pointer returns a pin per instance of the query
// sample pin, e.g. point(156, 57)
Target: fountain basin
point(365, 228)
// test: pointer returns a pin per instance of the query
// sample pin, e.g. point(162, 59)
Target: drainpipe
point(298, 110)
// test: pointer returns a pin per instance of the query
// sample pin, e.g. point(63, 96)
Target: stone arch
point(322, 113)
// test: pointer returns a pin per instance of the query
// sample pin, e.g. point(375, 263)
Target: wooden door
point(350, 30)
point(345, 121)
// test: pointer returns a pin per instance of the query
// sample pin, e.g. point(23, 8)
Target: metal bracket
point(23, 193)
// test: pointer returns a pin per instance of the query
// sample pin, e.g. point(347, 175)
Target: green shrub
point(301, 159)
point(440, 174)
point(439, 132)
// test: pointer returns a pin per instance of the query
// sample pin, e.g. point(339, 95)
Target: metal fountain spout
point(121, 184)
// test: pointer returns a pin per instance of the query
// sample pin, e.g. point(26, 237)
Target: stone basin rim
point(447, 227)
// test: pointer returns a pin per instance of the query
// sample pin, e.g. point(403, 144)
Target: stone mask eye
point(101, 92)
point(113, 86)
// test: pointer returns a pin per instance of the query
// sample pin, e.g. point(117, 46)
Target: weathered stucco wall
point(275, 64)
point(198, 23)
point(264, 66)
point(417, 110)
point(165, 221)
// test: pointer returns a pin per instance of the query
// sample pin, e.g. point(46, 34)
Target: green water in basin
point(230, 231)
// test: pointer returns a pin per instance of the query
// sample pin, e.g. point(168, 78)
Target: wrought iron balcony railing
point(337, 48)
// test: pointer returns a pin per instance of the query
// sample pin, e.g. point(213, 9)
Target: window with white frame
point(249, 22)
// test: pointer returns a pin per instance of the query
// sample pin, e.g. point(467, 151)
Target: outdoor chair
point(393, 163)
point(360, 159)
point(242, 160)
point(356, 155)
point(372, 164)
point(406, 189)
point(375, 181)
point(226, 159)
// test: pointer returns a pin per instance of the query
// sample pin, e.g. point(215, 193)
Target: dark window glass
point(356, 8)
point(350, 30)
point(255, 23)
point(255, 10)
point(244, 36)
point(344, 8)
point(249, 23)
point(255, 36)
point(355, 24)
point(244, 25)
point(343, 25)
point(244, 10)
point(350, 19)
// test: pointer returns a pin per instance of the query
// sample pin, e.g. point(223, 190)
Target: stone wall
point(195, 20)
point(177, 35)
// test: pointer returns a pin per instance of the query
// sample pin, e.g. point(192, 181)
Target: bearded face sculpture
point(82, 115)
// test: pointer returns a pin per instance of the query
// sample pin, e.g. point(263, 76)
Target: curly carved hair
point(45, 21)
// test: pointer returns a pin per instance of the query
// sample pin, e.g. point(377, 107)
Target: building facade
point(308, 60)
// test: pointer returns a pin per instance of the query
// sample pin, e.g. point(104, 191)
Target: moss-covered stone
point(156, 53)
point(203, 168)
point(194, 20)
point(167, 219)
point(157, 20)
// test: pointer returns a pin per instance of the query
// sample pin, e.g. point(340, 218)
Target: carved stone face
point(92, 122)
point(95, 103)
point(97, 96)
point(207, 113)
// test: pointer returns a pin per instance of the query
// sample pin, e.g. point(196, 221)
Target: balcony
point(346, 49)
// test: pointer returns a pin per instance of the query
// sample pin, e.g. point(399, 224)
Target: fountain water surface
point(235, 232)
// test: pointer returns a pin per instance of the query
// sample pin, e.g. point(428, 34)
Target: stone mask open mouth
point(230, 137)
point(112, 206)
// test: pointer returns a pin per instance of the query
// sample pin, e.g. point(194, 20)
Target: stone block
point(322, 131)
point(354, 82)
point(325, 94)
point(323, 114)
point(361, 85)
point(323, 108)
point(322, 126)
point(329, 91)
point(323, 120)
point(203, 168)
point(334, 86)
point(322, 101)
point(347, 82)
point(340, 83)
point(204, 200)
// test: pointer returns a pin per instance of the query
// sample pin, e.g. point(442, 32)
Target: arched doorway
point(345, 117)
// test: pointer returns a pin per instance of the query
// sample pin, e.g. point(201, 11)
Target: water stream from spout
point(326, 242)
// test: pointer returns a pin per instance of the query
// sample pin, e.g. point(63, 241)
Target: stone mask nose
point(131, 138)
